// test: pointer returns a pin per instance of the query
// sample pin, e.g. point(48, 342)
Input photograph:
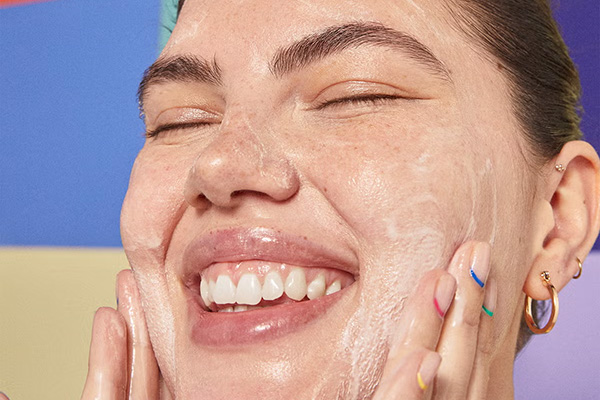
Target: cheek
point(153, 205)
point(400, 186)
point(159, 318)
point(410, 206)
point(152, 208)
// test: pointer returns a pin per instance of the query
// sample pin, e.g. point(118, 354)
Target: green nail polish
point(488, 312)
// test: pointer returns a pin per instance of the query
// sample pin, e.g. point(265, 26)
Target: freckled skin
point(403, 184)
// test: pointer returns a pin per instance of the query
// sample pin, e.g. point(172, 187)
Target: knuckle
point(485, 347)
point(471, 314)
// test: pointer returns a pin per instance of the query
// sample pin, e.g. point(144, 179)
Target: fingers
point(143, 376)
point(408, 372)
point(410, 378)
point(107, 369)
point(422, 318)
point(481, 367)
point(3, 396)
point(459, 340)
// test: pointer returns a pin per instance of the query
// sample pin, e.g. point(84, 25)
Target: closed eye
point(368, 99)
point(175, 126)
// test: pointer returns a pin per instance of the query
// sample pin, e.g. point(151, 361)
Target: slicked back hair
point(523, 39)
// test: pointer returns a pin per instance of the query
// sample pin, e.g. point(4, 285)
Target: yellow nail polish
point(422, 384)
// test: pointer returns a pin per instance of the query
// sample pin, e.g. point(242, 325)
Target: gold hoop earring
point(553, 316)
point(580, 268)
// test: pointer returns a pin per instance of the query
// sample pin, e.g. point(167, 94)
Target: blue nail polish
point(474, 276)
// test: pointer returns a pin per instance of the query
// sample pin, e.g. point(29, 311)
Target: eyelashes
point(175, 126)
point(366, 99)
point(361, 100)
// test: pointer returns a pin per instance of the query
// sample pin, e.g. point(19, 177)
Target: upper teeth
point(273, 287)
point(249, 290)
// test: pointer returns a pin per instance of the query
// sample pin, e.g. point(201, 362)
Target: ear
point(566, 217)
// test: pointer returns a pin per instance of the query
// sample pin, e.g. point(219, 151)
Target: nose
point(235, 165)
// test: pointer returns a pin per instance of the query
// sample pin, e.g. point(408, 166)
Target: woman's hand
point(442, 349)
point(122, 365)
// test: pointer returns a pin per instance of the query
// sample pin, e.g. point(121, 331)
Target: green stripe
point(488, 312)
point(168, 18)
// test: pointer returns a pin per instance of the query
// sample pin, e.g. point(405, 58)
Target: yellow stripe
point(422, 384)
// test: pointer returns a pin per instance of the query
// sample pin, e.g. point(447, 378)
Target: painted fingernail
point(444, 294)
point(428, 369)
point(480, 263)
point(489, 301)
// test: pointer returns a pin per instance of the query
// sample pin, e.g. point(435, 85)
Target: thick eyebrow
point(298, 55)
point(335, 39)
point(186, 68)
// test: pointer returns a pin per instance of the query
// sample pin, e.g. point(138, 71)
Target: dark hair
point(525, 42)
point(523, 39)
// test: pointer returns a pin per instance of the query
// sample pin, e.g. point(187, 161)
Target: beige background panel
point(47, 302)
point(48, 298)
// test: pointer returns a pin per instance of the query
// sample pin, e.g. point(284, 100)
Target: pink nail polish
point(444, 294)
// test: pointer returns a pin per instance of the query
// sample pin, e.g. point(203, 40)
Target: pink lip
point(230, 329)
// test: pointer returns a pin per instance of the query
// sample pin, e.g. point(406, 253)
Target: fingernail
point(489, 301)
point(444, 294)
point(428, 369)
point(480, 263)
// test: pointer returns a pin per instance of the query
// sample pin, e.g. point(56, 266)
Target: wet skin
point(389, 160)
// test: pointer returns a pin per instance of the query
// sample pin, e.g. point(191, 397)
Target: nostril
point(198, 201)
point(241, 193)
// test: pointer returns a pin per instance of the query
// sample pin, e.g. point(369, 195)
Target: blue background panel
point(69, 130)
point(69, 126)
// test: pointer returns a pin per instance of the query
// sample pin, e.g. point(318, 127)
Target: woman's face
point(357, 141)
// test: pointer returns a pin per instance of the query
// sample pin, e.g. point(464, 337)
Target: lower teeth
point(239, 308)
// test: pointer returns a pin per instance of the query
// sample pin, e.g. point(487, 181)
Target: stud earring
point(560, 167)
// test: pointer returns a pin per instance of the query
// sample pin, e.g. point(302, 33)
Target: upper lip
point(258, 243)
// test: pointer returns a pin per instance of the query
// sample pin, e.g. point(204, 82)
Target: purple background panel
point(565, 363)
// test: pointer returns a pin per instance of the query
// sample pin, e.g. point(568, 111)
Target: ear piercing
point(580, 264)
point(554, 314)
point(559, 167)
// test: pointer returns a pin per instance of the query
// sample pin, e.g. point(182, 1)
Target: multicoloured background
point(69, 133)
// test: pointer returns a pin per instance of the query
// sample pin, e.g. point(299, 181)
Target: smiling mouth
point(255, 284)
point(249, 285)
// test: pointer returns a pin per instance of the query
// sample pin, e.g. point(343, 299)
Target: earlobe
point(567, 217)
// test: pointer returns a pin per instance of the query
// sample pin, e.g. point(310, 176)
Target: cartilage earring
point(560, 167)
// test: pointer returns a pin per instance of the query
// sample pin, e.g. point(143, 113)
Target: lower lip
point(249, 327)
